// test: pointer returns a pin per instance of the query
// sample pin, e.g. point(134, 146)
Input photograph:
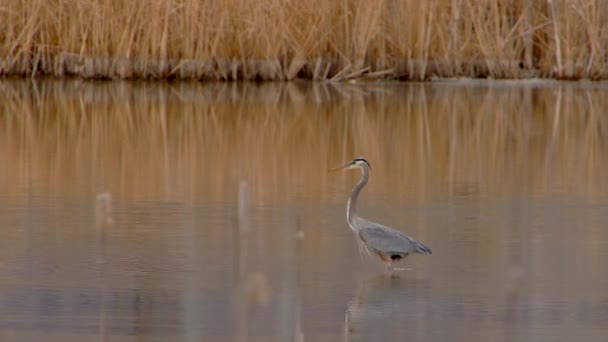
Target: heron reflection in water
point(389, 244)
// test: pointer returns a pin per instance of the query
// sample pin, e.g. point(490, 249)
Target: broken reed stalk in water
point(316, 39)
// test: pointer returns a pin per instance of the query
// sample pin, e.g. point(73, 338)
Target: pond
point(204, 211)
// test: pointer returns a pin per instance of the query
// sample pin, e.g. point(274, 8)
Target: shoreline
point(231, 69)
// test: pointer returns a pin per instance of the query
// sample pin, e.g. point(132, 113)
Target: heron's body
point(389, 244)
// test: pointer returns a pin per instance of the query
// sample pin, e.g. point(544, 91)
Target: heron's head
point(353, 164)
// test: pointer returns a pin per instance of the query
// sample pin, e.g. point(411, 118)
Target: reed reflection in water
point(204, 211)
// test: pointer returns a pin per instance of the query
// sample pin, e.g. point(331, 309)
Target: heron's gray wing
point(387, 240)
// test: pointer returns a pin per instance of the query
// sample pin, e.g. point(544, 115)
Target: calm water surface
point(204, 212)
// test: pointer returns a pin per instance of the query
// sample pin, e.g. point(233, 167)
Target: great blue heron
point(389, 244)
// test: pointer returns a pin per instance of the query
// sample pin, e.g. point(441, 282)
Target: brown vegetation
point(316, 39)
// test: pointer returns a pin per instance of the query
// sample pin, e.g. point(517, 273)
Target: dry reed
point(317, 39)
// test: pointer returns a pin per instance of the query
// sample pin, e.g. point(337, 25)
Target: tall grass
point(316, 39)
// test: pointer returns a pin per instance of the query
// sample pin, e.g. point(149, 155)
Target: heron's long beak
point(341, 167)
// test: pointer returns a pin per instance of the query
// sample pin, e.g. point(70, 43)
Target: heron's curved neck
point(351, 206)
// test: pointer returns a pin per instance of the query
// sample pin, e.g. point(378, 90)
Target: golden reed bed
point(313, 39)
